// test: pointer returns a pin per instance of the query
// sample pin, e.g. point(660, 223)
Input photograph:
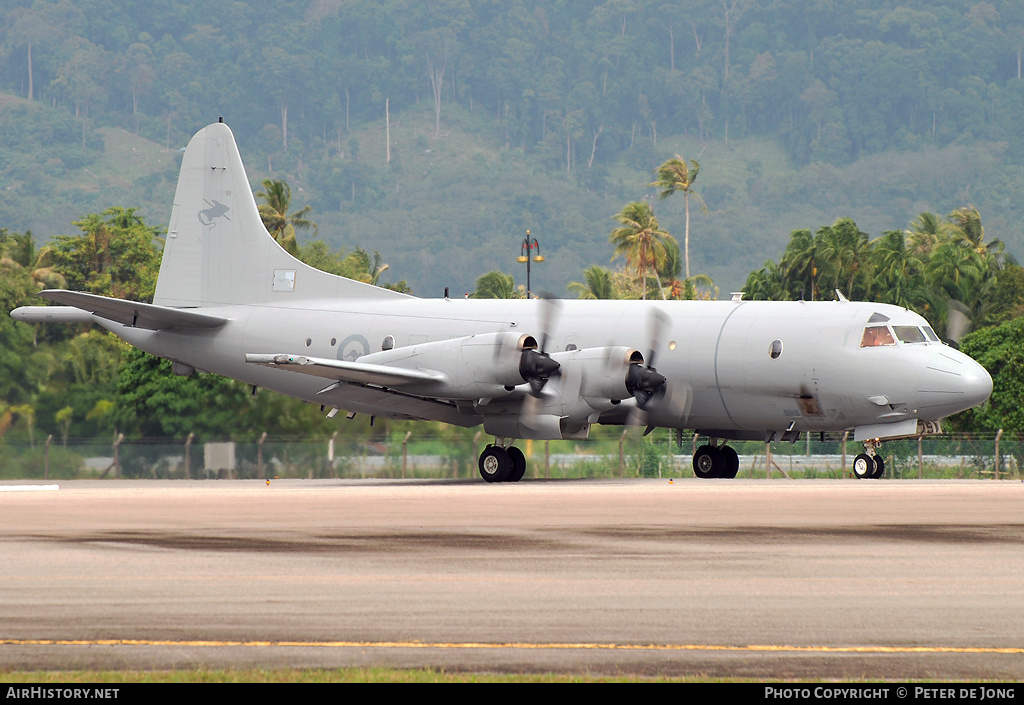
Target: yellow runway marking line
point(512, 645)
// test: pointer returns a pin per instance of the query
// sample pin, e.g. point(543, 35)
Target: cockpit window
point(931, 334)
point(878, 318)
point(909, 334)
point(876, 335)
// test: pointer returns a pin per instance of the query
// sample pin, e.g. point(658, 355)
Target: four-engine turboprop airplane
point(230, 300)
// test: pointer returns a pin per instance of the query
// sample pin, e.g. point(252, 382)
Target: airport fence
point(624, 454)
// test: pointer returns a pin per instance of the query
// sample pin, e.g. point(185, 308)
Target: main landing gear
point(715, 461)
point(869, 465)
point(498, 464)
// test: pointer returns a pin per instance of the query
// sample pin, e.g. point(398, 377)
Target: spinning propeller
point(536, 366)
point(643, 381)
point(653, 392)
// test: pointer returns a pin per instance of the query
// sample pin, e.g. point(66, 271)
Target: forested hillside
point(869, 145)
point(437, 133)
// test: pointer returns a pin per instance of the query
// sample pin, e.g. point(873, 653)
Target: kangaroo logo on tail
point(216, 210)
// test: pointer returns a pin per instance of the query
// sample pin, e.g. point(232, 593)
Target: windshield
point(876, 335)
point(909, 334)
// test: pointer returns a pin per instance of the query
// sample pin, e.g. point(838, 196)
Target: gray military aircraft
point(230, 300)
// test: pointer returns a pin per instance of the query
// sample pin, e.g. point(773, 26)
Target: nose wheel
point(499, 464)
point(869, 465)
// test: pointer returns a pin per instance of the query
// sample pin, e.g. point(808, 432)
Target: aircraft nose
point(952, 382)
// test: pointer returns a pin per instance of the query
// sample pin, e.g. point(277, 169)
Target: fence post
point(188, 456)
point(921, 457)
point(405, 448)
point(622, 458)
point(46, 464)
point(997, 436)
point(259, 456)
point(117, 456)
point(330, 455)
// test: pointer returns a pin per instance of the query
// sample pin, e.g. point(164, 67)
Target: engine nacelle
point(473, 367)
point(603, 372)
point(589, 382)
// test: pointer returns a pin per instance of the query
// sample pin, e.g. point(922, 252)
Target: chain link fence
point(625, 455)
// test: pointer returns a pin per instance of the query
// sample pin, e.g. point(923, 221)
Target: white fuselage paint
point(717, 353)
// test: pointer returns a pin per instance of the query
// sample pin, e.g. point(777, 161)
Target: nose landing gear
point(869, 465)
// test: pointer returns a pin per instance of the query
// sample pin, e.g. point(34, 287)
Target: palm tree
point(674, 175)
point(495, 285)
point(925, 234)
point(898, 272)
point(842, 253)
point(640, 240)
point(597, 284)
point(800, 262)
point(768, 283)
point(278, 221)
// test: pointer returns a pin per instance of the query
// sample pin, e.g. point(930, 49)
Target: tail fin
point(217, 250)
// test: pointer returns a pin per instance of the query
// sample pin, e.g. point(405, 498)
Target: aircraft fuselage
point(745, 368)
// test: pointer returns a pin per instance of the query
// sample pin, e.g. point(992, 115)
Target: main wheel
point(708, 462)
point(518, 464)
point(863, 466)
point(879, 468)
point(732, 461)
point(495, 464)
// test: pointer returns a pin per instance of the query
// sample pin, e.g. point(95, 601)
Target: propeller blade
point(657, 323)
point(536, 366)
point(549, 308)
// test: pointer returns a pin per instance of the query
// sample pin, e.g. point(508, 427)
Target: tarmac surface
point(772, 579)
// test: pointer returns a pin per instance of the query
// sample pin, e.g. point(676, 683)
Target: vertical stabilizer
point(217, 250)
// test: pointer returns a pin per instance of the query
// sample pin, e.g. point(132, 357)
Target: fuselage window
point(389, 343)
point(775, 349)
point(909, 334)
point(876, 335)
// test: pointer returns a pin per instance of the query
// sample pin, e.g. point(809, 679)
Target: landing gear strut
point(498, 464)
point(715, 461)
point(869, 465)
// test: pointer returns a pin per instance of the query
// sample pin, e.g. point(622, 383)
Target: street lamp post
point(525, 250)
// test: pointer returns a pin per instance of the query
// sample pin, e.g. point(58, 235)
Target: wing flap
point(342, 371)
point(133, 313)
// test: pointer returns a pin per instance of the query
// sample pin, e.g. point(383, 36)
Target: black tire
point(863, 467)
point(732, 462)
point(495, 464)
point(708, 462)
point(518, 464)
point(879, 468)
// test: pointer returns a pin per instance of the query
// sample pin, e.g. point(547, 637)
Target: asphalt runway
point(774, 579)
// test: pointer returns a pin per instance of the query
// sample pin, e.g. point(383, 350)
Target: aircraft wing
point(342, 371)
point(130, 313)
point(370, 388)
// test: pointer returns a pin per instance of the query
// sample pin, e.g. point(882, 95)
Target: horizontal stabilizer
point(341, 371)
point(133, 313)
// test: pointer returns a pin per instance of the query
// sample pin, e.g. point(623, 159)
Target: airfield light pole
point(525, 251)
